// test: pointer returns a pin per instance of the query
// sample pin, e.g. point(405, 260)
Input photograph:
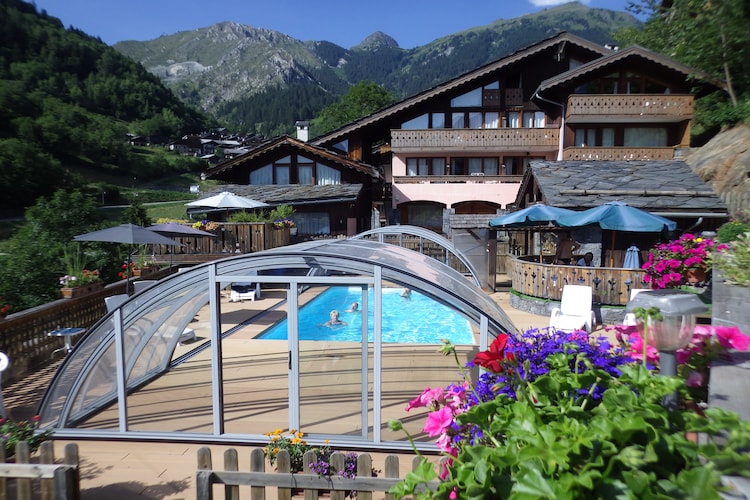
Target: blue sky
point(344, 22)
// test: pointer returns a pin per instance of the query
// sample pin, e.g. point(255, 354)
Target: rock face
point(724, 163)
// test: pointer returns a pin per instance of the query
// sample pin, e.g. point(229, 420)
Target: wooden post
point(23, 485)
point(257, 464)
point(71, 458)
point(47, 456)
point(391, 471)
point(284, 465)
point(231, 463)
point(204, 491)
point(364, 469)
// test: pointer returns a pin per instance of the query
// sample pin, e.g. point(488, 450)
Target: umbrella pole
point(127, 283)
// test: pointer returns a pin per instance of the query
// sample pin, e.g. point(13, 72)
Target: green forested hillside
point(67, 103)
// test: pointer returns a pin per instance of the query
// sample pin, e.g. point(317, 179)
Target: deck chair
point(245, 290)
point(629, 319)
point(575, 311)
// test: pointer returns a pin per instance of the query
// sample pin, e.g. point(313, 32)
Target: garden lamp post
point(666, 320)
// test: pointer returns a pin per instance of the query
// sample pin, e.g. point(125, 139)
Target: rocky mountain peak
point(376, 41)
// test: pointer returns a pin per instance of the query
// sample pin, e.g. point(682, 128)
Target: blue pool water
point(419, 319)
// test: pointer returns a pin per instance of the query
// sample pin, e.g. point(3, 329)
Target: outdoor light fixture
point(666, 320)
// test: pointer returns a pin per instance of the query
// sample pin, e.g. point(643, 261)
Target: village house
point(461, 149)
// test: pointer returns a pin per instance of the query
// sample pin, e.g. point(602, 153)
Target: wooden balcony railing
point(629, 107)
point(528, 139)
point(610, 285)
point(617, 154)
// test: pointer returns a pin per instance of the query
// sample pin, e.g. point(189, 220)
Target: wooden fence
point(288, 483)
point(56, 481)
point(230, 237)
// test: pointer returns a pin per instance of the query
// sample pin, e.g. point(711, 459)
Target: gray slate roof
point(294, 193)
point(652, 185)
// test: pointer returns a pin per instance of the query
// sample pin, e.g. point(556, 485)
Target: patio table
point(67, 334)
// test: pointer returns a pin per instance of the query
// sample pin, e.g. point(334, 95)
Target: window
point(417, 123)
point(262, 176)
point(491, 120)
point(438, 120)
point(474, 166)
point(312, 222)
point(593, 136)
point(475, 119)
point(513, 119)
point(645, 137)
point(469, 99)
point(425, 166)
point(327, 175)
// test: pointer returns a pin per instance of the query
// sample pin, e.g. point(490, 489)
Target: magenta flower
point(731, 337)
point(438, 421)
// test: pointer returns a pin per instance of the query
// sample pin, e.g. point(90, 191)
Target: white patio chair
point(113, 301)
point(245, 290)
point(629, 319)
point(575, 311)
point(143, 284)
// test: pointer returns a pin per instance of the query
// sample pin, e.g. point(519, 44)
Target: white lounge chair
point(575, 311)
point(143, 284)
point(245, 290)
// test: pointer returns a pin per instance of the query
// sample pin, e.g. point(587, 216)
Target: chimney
point(303, 130)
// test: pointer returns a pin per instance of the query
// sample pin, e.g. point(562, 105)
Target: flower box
point(80, 291)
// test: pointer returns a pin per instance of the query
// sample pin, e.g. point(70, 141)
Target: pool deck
point(123, 470)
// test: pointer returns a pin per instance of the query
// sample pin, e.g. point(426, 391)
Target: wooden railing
point(57, 481)
point(231, 237)
point(286, 481)
point(610, 285)
point(593, 107)
point(23, 335)
point(617, 154)
point(529, 139)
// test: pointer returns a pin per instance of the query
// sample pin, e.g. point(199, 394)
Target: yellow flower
point(327, 441)
point(296, 441)
point(274, 438)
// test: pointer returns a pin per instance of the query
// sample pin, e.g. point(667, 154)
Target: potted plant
point(25, 430)
point(292, 442)
point(78, 280)
point(683, 261)
point(559, 415)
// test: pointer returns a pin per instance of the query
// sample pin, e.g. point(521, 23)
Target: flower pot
point(693, 276)
point(80, 291)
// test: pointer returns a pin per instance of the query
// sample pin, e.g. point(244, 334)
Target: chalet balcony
point(476, 140)
point(617, 154)
point(629, 108)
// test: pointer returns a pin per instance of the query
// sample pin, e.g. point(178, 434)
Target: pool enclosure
point(131, 376)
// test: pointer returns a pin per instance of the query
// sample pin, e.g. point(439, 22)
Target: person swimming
point(353, 308)
point(334, 319)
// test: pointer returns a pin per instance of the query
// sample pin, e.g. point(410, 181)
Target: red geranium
point(492, 358)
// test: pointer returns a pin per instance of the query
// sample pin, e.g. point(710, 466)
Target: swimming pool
point(418, 320)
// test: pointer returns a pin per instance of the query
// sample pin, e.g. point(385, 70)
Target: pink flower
point(695, 379)
point(428, 397)
point(438, 421)
point(731, 337)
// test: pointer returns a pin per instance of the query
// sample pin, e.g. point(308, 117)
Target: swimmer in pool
point(353, 308)
point(334, 319)
point(406, 293)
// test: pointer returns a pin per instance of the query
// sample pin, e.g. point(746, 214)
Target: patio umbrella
point(176, 230)
point(618, 216)
point(129, 234)
point(535, 215)
point(226, 201)
point(532, 216)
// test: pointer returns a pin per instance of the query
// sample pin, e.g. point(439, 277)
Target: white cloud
point(552, 3)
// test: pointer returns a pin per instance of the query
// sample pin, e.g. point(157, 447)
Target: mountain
point(67, 104)
point(266, 80)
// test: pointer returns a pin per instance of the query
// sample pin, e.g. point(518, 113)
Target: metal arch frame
point(421, 232)
point(367, 258)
